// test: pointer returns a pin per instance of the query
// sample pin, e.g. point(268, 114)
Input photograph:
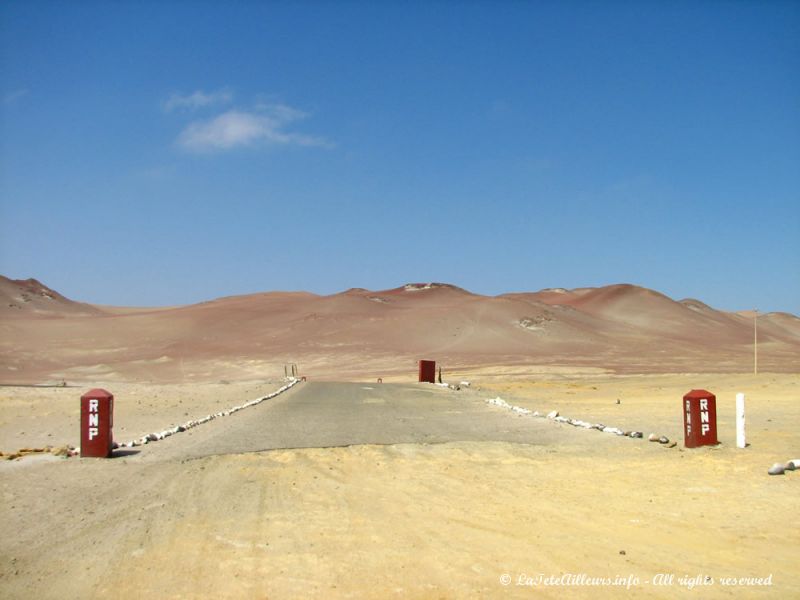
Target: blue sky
point(162, 153)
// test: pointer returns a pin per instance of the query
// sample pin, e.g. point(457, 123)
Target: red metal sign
point(699, 419)
point(97, 422)
point(427, 371)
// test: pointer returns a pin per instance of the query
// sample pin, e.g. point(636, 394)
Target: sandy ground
point(40, 416)
point(413, 520)
point(652, 403)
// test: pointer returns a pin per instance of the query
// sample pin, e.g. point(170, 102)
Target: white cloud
point(236, 128)
point(197, 99)
point(14, 95)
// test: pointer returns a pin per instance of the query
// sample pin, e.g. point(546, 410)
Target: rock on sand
point(776, 469)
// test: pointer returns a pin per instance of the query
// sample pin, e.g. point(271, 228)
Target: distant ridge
point(622, 327)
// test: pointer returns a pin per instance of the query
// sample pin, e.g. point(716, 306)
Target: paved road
point(319, 415)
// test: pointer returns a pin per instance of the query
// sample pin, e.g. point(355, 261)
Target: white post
point(740, 438)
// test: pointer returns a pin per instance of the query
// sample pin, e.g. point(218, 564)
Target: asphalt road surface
point(321, 415)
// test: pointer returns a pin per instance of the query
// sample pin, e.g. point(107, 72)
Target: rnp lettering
point(688, 417)
point(705, 427)
point(94, 418)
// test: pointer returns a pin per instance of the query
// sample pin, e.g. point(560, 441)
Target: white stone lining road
point(191, 424)
point(562, 419)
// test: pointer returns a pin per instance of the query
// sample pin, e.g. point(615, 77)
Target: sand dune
point(362, 333)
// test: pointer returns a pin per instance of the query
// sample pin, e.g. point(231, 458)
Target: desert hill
point(34, 299)
point(360, 333)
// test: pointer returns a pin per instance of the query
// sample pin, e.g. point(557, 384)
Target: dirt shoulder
point(40, 416)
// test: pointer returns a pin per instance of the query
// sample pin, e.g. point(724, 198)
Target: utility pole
point(755, 341)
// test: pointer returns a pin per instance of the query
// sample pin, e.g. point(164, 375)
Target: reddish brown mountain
point(361, 332)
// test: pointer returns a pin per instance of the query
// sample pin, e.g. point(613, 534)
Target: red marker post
point(427, 371)
point(97, 422)
point(699, 419)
